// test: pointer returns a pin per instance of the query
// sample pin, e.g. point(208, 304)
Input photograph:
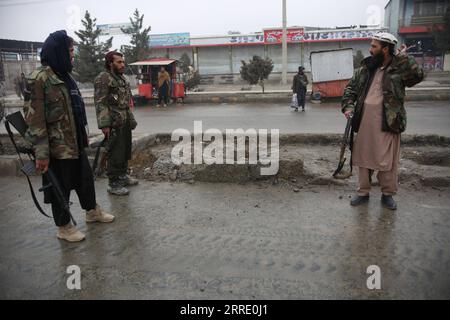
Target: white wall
point(159, 53)
point(447, 62)
point(176, 53)
point(214, 60)
point(245, 53)
point(294, 57)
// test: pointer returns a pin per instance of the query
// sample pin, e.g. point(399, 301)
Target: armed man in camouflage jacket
point(55, 114)
point(115, 119)
point(375, 96)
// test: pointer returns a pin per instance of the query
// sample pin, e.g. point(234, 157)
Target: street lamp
point(284, 46)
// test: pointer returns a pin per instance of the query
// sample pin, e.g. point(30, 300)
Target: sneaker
point(117, 189)
point(70, 233)
point(359, 200)
point(158, 106)
point(98, 215)
point(128, 181)
point(388, 202)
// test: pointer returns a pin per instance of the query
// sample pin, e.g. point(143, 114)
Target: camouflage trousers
point(119, 152)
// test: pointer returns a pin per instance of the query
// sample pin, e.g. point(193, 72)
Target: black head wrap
point(55, 54)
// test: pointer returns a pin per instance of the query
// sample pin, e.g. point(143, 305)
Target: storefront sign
point(113, 29)
point(338, 35)
point(170, 40)
point(276, 36)
point(247, 39)
point(299, 35)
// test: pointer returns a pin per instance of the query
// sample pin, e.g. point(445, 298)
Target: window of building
point(10, 56)
point(28, 56)
point(424, 8)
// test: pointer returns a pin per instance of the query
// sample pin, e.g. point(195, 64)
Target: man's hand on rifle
point(42, 165)
point(106, 132)
point(348, 113)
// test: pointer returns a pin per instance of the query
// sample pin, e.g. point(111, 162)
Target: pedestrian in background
point(300, 86)
point(163, 87)
point(20, 85)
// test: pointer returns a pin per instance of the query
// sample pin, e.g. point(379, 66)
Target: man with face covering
point(375, 96)
point(56, 116)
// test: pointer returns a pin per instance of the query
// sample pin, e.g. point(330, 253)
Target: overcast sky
point(35, 19)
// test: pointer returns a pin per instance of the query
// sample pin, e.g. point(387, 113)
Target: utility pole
point(284, 46)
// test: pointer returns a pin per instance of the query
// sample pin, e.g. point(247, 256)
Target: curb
point(269, 97)
point(289, 167)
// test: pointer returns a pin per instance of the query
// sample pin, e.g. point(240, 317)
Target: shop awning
point(153, 62)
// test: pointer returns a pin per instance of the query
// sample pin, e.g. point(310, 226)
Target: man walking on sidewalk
point(375, 95)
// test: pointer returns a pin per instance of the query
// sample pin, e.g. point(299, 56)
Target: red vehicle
point(148, 79)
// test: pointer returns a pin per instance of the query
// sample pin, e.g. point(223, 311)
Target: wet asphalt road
point(423, 118)
point(227, 241)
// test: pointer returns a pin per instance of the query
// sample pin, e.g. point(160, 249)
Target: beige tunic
point(373, 148)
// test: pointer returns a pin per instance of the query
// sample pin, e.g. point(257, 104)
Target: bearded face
point(377, 55)
point(118, 65)
point(375, 61)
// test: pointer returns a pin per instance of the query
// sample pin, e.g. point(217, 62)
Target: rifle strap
point(33, 194)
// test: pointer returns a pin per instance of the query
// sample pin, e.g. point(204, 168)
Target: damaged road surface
point(231, 241)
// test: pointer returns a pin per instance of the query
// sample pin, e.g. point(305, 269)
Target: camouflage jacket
point(112, 101)
point(300, 83)
point(402, 72)
point(48, 113)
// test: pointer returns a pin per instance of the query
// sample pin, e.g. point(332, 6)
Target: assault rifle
point(346, 142)
point(18, 122)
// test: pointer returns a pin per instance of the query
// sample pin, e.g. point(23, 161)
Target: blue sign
point(170, 40)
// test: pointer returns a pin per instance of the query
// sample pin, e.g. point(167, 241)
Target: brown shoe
point(98, 215)
point(70, 233)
